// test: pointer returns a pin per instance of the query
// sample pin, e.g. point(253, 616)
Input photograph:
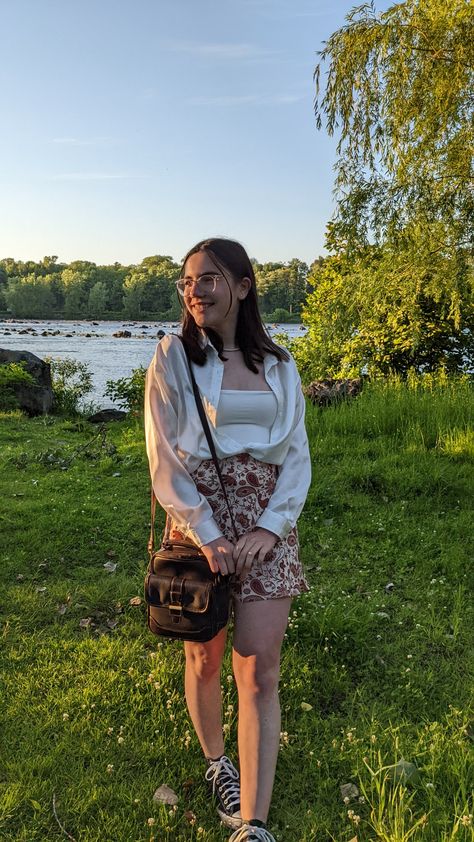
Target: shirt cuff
point(274, 523)
point(204, 533)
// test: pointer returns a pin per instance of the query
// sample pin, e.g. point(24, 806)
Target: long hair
point(229, 257)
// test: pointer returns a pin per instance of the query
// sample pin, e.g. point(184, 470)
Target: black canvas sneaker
point(223, 778)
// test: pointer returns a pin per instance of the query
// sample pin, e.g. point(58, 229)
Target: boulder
point(122, 334)
point(104, 415)
point(327, 392)
point(37, 399)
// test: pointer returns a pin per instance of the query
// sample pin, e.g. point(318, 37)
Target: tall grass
point(376, 682)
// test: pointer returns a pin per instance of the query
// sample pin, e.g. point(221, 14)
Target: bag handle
point(212, 448)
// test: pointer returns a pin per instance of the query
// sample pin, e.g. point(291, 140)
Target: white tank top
point(246, 415)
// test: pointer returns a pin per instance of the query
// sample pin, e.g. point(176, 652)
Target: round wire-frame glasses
point(206, 282)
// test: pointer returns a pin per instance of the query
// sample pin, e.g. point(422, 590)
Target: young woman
point(252, 396)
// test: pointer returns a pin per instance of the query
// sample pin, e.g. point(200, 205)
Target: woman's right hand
point(219, 556)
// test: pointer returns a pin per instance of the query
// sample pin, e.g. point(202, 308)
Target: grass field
point(377, 667)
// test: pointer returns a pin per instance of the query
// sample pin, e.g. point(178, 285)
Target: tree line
point(82, 289)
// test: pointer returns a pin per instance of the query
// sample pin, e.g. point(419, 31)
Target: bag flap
point(194, 595)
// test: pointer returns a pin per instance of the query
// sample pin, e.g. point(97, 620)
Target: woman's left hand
point(253, 546)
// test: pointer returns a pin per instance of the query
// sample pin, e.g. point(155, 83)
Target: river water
point(92, 342)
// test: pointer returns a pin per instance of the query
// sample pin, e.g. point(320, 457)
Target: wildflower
point(346, 799)
point(353, 817)
point(373, 738)
point(466, 821)
point(65, 716)
point(284, 738)
point(226, 728)
point(230, 679)
point(150, 822)
point(120, 740)
point(110, 768)
point(200, 831)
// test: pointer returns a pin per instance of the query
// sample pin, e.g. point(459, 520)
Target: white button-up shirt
point(176, 442)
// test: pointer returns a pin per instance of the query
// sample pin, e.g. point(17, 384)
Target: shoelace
point(225, 778)
point(248, 832)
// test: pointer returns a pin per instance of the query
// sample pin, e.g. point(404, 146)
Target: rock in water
point(105, 415)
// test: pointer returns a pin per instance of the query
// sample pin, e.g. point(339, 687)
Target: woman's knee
point(257, 674)
point(203, 660)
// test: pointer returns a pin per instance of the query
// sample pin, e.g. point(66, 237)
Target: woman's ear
point(244, 287)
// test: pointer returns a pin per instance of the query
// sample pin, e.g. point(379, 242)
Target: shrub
point(12, 374)
point(71, 380)
point(128, 392)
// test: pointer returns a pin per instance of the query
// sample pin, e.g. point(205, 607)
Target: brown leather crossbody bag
point(184, 598)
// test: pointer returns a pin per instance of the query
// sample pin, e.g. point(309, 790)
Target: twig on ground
point(59, 823)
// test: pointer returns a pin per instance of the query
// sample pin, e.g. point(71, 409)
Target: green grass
point(369, 676)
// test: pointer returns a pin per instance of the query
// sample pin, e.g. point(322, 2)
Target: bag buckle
point(176, 598)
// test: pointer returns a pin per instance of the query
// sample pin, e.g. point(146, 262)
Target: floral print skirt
point(249, 484)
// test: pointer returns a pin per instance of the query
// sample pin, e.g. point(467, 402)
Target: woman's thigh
point(259, 628)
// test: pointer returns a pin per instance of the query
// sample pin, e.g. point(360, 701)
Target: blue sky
point(137, 127)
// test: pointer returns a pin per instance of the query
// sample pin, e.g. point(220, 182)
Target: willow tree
point(398, 91)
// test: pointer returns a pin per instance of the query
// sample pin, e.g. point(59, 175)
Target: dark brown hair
point(251, 336)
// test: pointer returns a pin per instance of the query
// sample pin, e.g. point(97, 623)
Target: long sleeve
point(294, 479)
point(173, 485)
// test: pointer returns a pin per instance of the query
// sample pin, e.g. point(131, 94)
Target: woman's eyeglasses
point(207, 283)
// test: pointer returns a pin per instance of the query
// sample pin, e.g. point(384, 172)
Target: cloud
point(225, 51)
point(250, 99)
point(93, 176)
point(75, 141)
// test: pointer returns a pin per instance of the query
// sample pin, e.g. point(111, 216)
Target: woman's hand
point(250, 547)
point(219, 554)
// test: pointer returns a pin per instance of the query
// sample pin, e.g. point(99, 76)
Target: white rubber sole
point(230, 821)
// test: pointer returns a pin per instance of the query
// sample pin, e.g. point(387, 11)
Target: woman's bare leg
point(202, 682)
point(258, 635)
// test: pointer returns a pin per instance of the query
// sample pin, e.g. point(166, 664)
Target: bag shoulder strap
point(210, 441)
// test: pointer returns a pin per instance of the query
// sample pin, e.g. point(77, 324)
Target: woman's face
point(211, 308)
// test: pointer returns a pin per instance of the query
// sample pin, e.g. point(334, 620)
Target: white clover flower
point(65, 716)
point(110, 768)
point(150, 822)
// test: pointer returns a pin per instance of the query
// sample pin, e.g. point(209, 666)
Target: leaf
point(110, 553)
point(85, 622)
point(404, 772)
point(135, 600)
point(35, 804)
point(110, 566)
point(306, 706)
point(165, 795)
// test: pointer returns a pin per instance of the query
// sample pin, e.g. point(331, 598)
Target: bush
point(12, 374)
point(128, 392)
point(71, 380)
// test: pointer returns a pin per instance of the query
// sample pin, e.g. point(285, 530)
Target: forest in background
point(82, 289)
